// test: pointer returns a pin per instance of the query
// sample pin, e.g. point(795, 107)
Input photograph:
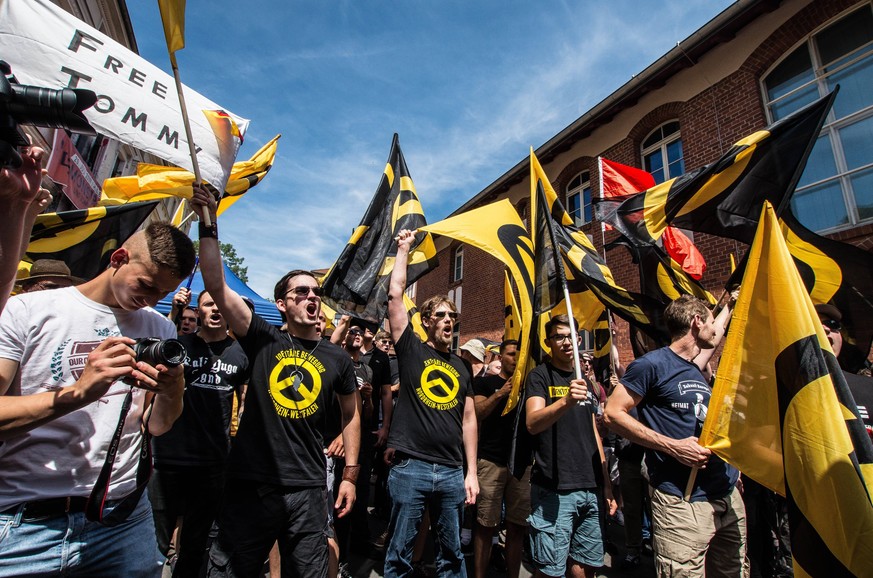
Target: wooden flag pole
point(690, 486)
point(207, 220)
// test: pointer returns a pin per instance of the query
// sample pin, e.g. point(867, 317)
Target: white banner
point(137, 102)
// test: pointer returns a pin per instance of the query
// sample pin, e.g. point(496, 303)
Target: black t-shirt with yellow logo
point(565, 453)
point(280, 438)
point(430, 408)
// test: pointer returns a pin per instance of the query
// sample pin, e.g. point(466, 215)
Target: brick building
point(752, 64)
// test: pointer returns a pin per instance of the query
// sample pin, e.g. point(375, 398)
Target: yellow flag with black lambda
point(498, 230)
point(84, 239)
point(414, 318)
point(782, 413)
point(725, 198)
point(173, 18)
point(154, 182)
point(511, 317)
point(357, 283)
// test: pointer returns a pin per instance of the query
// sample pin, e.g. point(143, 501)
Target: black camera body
point(154, 351)
point(37, 106)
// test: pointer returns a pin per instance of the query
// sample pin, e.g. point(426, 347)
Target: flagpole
point(207, 220)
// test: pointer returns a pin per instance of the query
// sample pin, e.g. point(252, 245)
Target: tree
point(229, 256)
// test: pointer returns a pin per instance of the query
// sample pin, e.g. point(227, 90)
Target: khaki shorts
point(699, 538)
point(496, 484)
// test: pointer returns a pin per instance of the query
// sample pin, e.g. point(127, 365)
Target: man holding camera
point(276, 469)
point(72, 390)
point(188, 481)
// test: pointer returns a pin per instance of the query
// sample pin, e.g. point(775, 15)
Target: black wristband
point(211, 231)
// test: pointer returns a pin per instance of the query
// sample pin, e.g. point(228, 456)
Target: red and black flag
point(725, 197)
point(85, 239)
point(357, 284)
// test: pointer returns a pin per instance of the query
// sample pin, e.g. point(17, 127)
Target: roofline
point(685, 54)
point(128, 25)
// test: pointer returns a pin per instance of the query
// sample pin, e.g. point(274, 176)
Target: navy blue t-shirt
point(675, 397)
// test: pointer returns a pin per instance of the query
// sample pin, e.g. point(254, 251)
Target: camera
point(34, 105)
point(154, 351)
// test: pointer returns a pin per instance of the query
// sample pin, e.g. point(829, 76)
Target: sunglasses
point(303, 291)
point(450, 314)
point(832, 324)
point(355, 332)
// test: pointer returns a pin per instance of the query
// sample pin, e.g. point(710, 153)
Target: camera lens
point(52, 108)
point(172, 352)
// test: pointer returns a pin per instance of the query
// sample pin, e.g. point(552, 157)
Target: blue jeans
point(70, 545)
point(412, 485)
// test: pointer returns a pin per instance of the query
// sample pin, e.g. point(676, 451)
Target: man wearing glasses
point(433, 431)
point(275, 486)
point(564, 522)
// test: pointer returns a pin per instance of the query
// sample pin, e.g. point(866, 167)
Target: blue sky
point(468, 85)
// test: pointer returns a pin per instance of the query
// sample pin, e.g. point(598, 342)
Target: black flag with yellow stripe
point(782, 413)
point(84, 239)
point(725, 197)
point(357, 284)
point(589, 279)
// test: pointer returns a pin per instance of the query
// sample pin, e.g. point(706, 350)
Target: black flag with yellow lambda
point(357, 284)
point(725, 197)
point(84, 239)
point(782, 413)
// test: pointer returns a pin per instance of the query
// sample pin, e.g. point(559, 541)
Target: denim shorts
point(564, 524)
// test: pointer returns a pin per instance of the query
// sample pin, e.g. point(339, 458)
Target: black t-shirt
point(281, 434)
point(201, 435)
point(675, 398)
point(428, 418)
point(381, 366)
point(862, 390)
point(566, 453)
point(495, 431)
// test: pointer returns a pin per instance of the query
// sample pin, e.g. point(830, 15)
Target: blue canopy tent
point(264, 308)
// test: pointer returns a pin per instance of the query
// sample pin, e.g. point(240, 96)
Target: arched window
point(458, 264)
point(662, 152)
point(579, 199)
point(836, 188)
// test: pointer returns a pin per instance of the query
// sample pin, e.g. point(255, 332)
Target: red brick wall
point(710, 122)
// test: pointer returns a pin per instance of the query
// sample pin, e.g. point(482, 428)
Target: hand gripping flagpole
point(562, 279)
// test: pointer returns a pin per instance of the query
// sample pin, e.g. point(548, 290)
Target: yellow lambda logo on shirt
point(295, 383)
point(439, 385)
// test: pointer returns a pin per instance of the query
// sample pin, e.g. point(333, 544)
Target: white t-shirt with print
point(50, 333)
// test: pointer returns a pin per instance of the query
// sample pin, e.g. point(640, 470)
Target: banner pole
point(207, 219)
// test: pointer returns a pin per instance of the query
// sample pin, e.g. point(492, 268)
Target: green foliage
point(234, 261)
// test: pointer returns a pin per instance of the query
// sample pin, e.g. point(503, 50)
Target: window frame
point(661, 145)
point(579, 190)
point(458, 264)
point(832, 125)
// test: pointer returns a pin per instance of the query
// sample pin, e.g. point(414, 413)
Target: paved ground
point(371, 566)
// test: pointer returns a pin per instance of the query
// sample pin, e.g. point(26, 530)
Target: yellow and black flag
point(357, 284)
point(84, 239)
point(725, 197)
point(511, 314)
point(154, 182)
point(498, 230)
point(662, 277)
point(414, 318)
point(840, 274)
point(782, 413)
point(589, 280)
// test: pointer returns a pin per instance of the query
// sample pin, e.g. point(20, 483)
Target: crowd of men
point(85, 415)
